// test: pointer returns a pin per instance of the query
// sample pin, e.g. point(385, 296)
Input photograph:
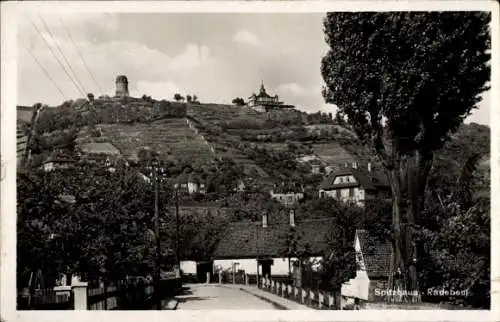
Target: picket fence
point(123, 296)
point(316, 299)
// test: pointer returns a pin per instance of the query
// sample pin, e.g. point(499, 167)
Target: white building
point(263, 247)
point(373, 261)
point(190, 184)
point(287, 194)
point(56, 162)
point(264, 102)
point(355, 185)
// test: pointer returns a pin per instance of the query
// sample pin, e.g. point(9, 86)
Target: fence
point(316, 299)
point(122, 296)
point(45, 299)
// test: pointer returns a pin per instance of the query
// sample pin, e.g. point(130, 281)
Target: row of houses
point(348, 184)
point(351, 184)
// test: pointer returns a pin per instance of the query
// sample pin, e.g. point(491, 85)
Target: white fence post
point(331, 301)
point(208, 278)
point(303, 296)
point(80, 295)
point(312, 296)
point(220, 277)
point(321, 299)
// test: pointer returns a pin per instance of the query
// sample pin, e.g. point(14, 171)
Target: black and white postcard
point(239, 160)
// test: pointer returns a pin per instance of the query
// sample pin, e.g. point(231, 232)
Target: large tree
point(406, 81)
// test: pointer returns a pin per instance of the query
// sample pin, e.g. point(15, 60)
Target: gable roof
point(367, 180)
point(246, 239)
point(377, 254)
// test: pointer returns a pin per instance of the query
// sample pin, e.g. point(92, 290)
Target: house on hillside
point(356, 185)
point(57, 161)
point(263, 102)
point(262, 247)
point(190, 183)
point(102, 153)
point(287, 194)
point(373, 262)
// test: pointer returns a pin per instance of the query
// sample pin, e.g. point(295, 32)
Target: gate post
point(80, 295)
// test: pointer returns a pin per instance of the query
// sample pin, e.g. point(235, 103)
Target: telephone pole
point(154, 165)
point(178, 259)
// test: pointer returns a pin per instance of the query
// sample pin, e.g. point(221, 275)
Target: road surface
point(213, 297)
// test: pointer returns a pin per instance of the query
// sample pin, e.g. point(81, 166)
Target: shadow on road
point(185, 296)
point(193, 298)
point(185, 291)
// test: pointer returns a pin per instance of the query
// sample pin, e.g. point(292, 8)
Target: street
point(213, 297)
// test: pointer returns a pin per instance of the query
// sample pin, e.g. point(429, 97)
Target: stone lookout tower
point(121, 86)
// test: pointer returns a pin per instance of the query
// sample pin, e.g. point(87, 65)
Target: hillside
point(172, 139)
point(261, 147)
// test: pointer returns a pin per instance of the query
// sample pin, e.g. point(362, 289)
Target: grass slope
point(171, 138)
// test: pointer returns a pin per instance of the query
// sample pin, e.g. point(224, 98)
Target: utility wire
point(55, 56)
point(44, 70)
point(81, 56)
point(63, 56)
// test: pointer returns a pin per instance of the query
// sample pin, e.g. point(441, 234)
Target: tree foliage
point(102, 232)
point(238, 101)
point(456, 238)
point(406, 81)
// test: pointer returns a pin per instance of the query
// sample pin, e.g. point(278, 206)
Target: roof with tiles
point(369, 180)
point(59, 157)
point(377, 254)
point(251, 239)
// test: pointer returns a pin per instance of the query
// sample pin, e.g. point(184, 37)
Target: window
point(351, 192)
point(339, 195)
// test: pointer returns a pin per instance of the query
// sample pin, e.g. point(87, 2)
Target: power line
point(55, 56)
point(63, 56)
point(44, 70)
point(81, 56)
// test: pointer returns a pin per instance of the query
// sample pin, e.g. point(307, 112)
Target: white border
point(8, 155)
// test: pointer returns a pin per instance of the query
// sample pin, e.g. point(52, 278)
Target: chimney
point(369, 167)
point(264, 220)
point(292, 218)
point(354, 165)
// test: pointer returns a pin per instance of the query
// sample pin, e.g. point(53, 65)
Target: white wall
point(359, 195)
point(280, 266)
point(344, 179)
point(192, 187)
point(49, 166)
point(188, 267)
point(359, 286)
point(288, 198)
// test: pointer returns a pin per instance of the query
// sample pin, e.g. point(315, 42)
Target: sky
point(216, 56)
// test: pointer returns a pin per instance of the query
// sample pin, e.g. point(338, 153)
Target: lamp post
point(154, 166)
